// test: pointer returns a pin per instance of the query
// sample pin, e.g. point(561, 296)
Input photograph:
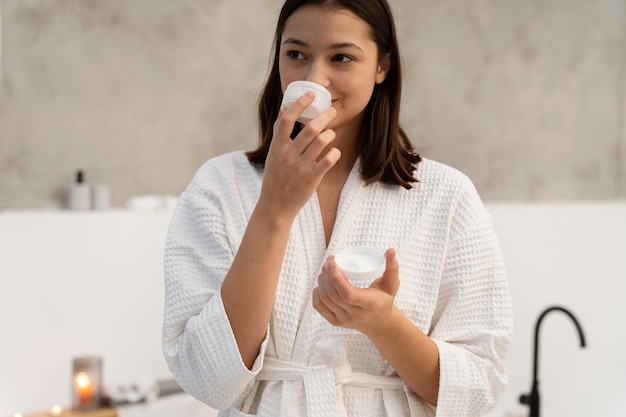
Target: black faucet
point(532, 399)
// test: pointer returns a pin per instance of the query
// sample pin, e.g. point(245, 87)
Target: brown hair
point(386, 152)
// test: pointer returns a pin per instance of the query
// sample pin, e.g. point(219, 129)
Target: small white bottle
point(79, 193)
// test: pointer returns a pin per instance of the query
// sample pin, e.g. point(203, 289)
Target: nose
point(318, 73)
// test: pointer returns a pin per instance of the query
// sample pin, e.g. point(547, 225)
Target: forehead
point(323, 24)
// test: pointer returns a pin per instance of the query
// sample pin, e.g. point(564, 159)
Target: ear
point(383, 69)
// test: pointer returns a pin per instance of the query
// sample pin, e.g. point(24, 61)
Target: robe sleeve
point(198, 343)
point(473, 320)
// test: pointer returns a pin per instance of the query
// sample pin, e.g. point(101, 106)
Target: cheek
point(285, 79)
point(287, 75)
point(359, 94)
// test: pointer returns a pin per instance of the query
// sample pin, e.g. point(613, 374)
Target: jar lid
point(297, 89)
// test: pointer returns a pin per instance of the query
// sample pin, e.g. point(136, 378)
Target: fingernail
point(309, 95)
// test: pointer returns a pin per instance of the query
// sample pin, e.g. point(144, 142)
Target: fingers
point(307, 148)
point(287, 117)
point(294, 168)
point(336, 286)
point(335, 298)
point(360, 308)
point(325, 311)
point(315, 137)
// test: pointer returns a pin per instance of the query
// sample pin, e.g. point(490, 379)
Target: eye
point(296, 55)
point(341, 58)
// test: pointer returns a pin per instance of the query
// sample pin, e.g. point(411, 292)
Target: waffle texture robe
point(452, 286)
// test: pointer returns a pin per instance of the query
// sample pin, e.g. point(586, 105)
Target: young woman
point(259, 320)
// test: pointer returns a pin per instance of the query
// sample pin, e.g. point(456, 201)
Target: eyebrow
point(333, 46)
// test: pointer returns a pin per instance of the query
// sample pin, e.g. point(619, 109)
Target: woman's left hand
point(412, 353)
point(362, 309)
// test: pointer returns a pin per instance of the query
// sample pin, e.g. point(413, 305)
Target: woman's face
point(332, 47)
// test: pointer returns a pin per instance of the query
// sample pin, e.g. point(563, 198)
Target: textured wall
point(527, 98)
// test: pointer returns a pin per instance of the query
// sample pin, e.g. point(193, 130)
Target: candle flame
point(56, 410)
point(82, 380)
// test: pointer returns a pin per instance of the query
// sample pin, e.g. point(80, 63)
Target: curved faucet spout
point(541, 317)
point(532, 399)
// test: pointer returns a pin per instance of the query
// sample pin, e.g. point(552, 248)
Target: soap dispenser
point(79, 193)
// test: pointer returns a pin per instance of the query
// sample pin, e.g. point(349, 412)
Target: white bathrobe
point(452, 286)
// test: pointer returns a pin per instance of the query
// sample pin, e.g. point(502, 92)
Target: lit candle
point(86, 382)
point(84, 390)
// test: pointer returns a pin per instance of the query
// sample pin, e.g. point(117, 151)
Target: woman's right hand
point(294, 168)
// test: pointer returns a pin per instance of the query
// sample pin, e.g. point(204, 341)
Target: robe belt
point(322, 383)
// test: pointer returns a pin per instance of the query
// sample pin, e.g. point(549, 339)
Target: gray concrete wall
point(526, 97)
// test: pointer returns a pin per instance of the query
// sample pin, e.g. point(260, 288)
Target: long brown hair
point(386, 152)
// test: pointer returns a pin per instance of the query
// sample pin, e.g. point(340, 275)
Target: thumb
point(390, 281)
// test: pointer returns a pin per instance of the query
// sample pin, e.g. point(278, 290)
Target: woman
point(259, 320)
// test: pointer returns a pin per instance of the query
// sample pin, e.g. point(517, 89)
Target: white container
point(297, 89)
point(361, 264)
point(101, 197)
